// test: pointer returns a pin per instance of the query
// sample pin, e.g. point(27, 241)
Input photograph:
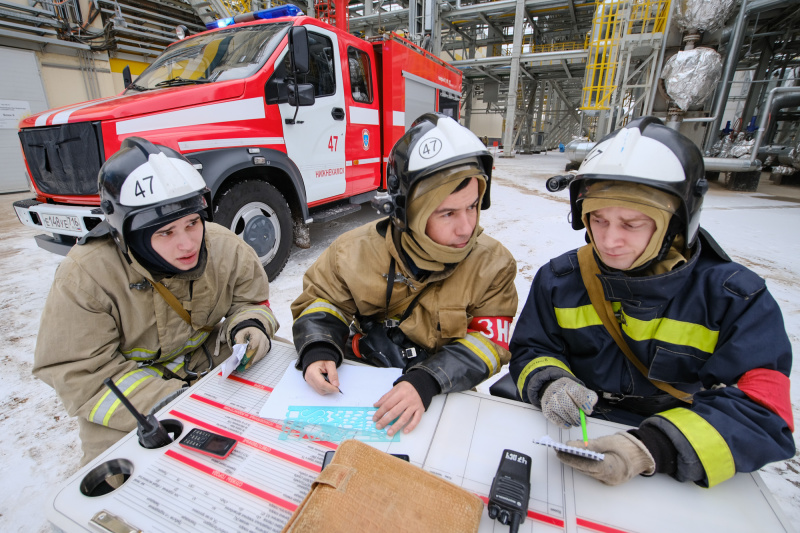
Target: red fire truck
point(289, 120)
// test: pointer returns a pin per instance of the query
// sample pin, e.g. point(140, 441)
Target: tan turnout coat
point(102, 320)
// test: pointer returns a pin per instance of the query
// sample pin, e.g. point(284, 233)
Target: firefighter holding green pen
point(653, 325)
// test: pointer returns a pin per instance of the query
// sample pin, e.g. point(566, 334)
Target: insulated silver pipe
point(732, 58)
point(724, 87)
point(779, 98)
point(725, 164)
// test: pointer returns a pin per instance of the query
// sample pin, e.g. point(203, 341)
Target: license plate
point(61, 222)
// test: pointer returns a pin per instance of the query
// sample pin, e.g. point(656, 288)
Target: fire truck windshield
point(229, 54)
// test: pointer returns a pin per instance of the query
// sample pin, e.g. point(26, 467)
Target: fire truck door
point(316, 141)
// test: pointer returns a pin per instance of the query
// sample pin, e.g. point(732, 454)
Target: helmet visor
point(161, 214)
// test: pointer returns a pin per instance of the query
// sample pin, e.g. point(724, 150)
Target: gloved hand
point(563, 398)
point(625, 457)
point(256, 350)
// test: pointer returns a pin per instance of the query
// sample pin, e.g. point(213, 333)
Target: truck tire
point(251, 198)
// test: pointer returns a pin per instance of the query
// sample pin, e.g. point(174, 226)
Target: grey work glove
point(625, 457)
point(563, 398)
point(256, 350)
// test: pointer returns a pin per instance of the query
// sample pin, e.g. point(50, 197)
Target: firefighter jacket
point(461, 320)
point(103, 320)
point(707, 328)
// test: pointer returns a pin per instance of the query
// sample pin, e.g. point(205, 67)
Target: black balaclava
point(139, 242)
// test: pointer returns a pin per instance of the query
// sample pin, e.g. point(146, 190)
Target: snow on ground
point(39, 445)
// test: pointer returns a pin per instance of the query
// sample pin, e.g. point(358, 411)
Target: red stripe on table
point(230, 480)
point(533, 515)
point(598, 527)
point(248, 442)
point(258, 419)
point(248, 382)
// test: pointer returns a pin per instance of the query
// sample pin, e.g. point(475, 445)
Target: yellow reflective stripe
point(175, 364)
point(671, 331)
point(147, 354)
point(711, 448)
point(192, 343)
point(324, 306)
point(127, 392)
point(577, 317)
point(580, 317)
point(661, 329)
point(259, 310)
point(538, 363)
point(483, 348)
point(105, 407)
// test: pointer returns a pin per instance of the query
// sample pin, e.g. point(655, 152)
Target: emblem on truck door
point(365, 138)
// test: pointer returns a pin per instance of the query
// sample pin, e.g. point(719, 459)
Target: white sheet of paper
point(582, 452)
point(361, 386)
point(233, 361)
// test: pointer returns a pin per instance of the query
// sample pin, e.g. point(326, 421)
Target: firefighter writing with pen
point(423, 290)
point(145, 305)
point(652, 325)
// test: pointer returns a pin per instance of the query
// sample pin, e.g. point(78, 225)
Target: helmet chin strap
point(673, 230)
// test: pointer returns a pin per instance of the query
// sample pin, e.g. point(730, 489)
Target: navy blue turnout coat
point(709, 327)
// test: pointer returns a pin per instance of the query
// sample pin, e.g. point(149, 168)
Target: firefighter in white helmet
point(652, 325)
point(144, 306)
point(424, 289)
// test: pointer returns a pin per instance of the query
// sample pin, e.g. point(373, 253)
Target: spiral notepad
point(589, 454)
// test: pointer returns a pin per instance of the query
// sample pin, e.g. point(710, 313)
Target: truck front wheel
point(249, 199)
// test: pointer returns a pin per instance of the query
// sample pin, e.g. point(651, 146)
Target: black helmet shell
point(434, 142)
point(145, 185)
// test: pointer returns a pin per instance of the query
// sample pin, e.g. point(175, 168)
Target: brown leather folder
point(364, 489)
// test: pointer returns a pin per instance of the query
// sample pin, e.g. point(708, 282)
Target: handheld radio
point(511, 487)
point(152, 433)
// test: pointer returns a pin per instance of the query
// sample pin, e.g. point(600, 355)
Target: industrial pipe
point(727, 164)
point(779, 98)
point(732, 58)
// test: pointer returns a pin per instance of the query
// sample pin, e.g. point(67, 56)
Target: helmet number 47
point(139, 191)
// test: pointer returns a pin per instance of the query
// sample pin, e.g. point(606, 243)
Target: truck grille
point(64, 159)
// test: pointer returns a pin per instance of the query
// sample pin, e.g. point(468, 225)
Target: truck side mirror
point(127, 79)
point(298, 47)
point(301, 94)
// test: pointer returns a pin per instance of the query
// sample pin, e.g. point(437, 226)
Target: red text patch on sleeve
point(495, 328)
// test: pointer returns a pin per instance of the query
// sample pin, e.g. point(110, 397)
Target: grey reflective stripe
point(479, 345)
point(139, 354)
point(270, 316)
point(143, 354)
point(190, 345)
point(108, 403)
point(175, 364)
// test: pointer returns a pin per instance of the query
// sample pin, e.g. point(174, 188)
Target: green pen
point(583, 428)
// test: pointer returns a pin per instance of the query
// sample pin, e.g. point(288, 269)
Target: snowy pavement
point(39, 445)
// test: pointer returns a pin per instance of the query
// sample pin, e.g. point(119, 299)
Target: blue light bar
point(287, 10)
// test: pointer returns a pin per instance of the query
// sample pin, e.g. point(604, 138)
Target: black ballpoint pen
point(329, 381)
